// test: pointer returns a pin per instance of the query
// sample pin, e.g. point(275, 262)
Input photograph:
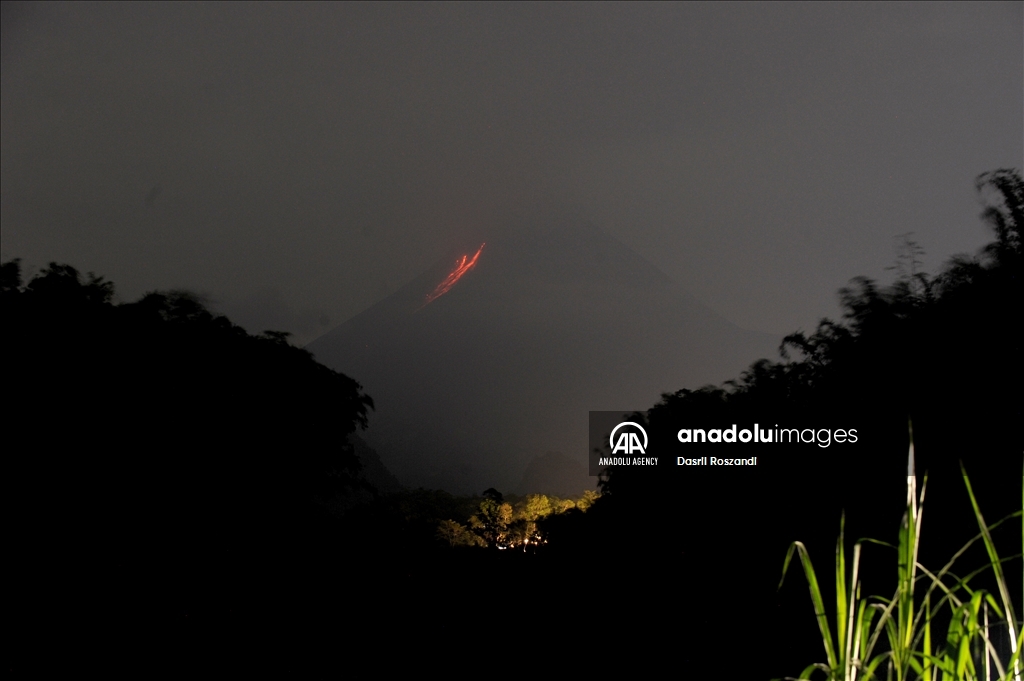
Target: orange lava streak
point(462, 265)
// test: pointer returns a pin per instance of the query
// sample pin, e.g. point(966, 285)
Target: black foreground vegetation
point(180, 491)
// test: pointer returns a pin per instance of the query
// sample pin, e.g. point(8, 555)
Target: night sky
point(297, 163)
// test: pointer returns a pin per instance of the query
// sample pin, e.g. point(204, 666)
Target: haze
point(731, 165)
point(297, 163)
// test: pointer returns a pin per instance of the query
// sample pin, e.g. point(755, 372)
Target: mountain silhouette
point(556, 319)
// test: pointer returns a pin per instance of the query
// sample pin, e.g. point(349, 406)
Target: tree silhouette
point(160, 437)
point(942, 350)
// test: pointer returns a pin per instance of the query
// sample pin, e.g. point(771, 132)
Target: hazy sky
point(296, 163)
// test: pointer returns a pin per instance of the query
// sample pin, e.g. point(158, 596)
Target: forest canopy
point(157, 417)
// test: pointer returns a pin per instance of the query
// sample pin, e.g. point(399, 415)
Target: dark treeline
point(177, 487)
point(160, 463)
point(162, 404)
point(941, 352)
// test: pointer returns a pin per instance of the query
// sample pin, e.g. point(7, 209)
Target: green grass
point(852, 644)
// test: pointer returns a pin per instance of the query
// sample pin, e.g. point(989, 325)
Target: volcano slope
point(555, 319)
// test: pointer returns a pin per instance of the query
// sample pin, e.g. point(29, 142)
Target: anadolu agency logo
point(628, 442)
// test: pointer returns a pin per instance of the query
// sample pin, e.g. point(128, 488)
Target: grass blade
point(816, 599)
point(997, 568)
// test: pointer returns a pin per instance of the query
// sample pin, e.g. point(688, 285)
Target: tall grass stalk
point(912, 654)
point(997, 568)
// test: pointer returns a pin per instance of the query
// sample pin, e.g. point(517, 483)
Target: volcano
point(555, 318)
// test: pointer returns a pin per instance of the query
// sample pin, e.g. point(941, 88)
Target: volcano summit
point(552, 319)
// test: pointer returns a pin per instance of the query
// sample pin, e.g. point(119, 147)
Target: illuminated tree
point(457, 534)
point(492, 521)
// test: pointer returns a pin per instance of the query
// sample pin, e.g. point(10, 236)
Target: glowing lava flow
point(462, 265)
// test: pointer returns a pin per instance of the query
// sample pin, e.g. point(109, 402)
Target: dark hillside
point(160, 463)
point(943, 353)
